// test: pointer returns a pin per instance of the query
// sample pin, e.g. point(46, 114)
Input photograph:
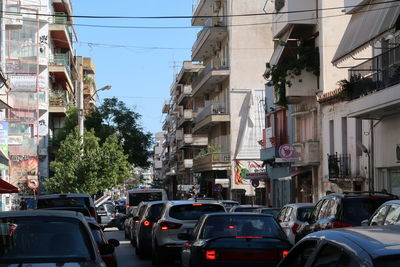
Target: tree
point(114, 117)
point(87, 168)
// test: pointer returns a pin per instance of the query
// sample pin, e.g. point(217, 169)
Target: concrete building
point(157, 157)
point(89, 85)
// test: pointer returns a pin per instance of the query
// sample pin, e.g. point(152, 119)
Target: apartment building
point(157, 156)
point(89, 85)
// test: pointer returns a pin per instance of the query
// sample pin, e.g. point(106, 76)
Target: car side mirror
point(184, 236)
point(364, 222)
point(114, 242)
point(106, 249)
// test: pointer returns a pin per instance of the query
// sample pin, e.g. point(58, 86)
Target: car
point(135, 220)
point(107, 215)
point(235, 239)
point(246, 208)
point(339, 210)
point(110, 259)
point(228, 204)
point(67, 200)
point(120, 211)
point(81, 209)
point(145, 226)
point(353, 246)
point(131, 211)
point(135, 196)
point(387, 213)
point(292, 216)
point(270, 211)
point(177, 217)
point(48, 238)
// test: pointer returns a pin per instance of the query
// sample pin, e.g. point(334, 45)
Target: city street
point(125, 252)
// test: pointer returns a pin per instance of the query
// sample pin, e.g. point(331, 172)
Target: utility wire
point(192, 17)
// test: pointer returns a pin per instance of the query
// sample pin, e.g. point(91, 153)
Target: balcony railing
point(216, 64)
point(59, 98)
point(214, 108)
point(375, 74)
point(61, 59)
point(212, 158)
point(339, 166)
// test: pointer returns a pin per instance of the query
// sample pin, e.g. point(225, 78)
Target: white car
point(177, 217)
point(291, 218)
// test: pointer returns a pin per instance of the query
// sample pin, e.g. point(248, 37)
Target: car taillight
point(295, 226)
point(127, 207)
point(210, 255)
point(165, 225)
point(113, 215)
point(284, 253)
point(146, 223)
point(337, 224)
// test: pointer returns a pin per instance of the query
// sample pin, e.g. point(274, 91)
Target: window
point(344, 135)
point(315, 212)
point(299, 256)
point(281, 215)
point(333, 256)
point(331, 137)
point(355, 210)
point(392, 216)
point(279, 4)
point(193, 211)
point(288, 214)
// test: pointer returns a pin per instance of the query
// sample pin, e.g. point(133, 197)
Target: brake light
point(338, 224)
point(231, 227)
point(258, 237)
point(210, 255)
point(197, 204)
point(165, 225)
point(146, 223)
point(113, 215)
point(295, 226)
point(127, 207)
point(284, 253)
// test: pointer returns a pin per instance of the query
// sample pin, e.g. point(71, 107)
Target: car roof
point(375, 240)
point(63, 195)
point(391, 202)
point(360, 195)
point(42, 212)
point(300, 205)
point(151, 203)
point(249, 206)
point(183, 202)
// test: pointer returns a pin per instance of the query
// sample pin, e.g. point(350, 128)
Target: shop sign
point(222, 181)
point(257, 175)
point(23, 83)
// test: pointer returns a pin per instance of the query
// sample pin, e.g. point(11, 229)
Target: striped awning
point(367, 25)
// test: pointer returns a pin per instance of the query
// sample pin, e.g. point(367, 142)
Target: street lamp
point(104, 88)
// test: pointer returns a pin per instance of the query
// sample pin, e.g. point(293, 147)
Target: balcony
point(60, 32)
point(64, 6)
point(307, 153)
point(269, 154)
point(215, 72)
point(211, 114)
point(287, 15)
point(305, 85)
point(211, 162)
point(193, 140)
point(185, 164)
point(208, 39)
point(59, 66)
point(374, 88)
point(185, 93)
point(187, 116)
point(339, 167)
point(165, 107)
point(202, 8)
point(59, 101)
point(88, 65)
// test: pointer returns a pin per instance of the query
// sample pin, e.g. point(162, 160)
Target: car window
point(120, 209)
point(241, 226)
point(325, 209)
point(269, 212)
point(301, 212)
point(245, 209)
point(63, 202)
point(315, 211)
point(379, 216)
point(141, 211)
point(330, 255)
point(355, 210)
point(155, 210)
point(97, 236)
point(300, 254)
point(281, 214)
point(288, 214)
point(193, 211)
point(392, 216)
point(44, 239)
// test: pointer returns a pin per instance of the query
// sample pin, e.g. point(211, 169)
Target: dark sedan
point(354, 246)
point(235, 239)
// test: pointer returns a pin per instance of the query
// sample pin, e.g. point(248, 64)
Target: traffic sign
point(286, 151)
point(218, 187)
point(255, 183)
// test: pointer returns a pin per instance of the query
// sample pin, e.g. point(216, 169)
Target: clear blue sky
point(134, 72)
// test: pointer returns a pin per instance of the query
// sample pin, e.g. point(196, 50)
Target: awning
point(4, 105)
point(365, 26)
point(276, 55)
point(7, 188)
point(4, 159)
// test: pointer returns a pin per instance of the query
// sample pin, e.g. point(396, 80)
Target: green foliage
point(87, 168)
point(300, 58)
point(209, 150)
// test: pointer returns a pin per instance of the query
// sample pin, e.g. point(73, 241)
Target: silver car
point(292, 216)
point(177, 217)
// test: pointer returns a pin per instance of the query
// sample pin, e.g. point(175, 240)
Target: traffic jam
point(346, 229)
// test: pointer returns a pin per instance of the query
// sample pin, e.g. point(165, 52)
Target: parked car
point(144, 227)
point(107, 215)
point(177, 217)
point(48, 238)
point(120, 211)
point(135, 220)
point(387, 213)
point(354, 246)
point(292, 216)
point(109, 258)
point(127, 223)
point(228, 204)
point(81, 209)
point(67, 200)
point(235, 239)
point(246, 208)
point(343, 210)
point(135, 196)
point(269, 211)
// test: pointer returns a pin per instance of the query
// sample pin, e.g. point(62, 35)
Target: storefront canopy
point(7, 188)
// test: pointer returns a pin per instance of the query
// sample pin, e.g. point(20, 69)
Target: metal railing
point(215, 64)
point(339, 166)
point(61, 59)
point(213, 108)
point(375, 74)
point(212, 158)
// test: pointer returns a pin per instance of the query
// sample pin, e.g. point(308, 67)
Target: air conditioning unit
point(216, 6)
point(13, 22)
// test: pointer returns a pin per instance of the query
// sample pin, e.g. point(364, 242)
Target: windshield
point(136, 198)
point(241, 226)
point(246, 209)
point(270, 212)
point(356, 210)
point(193, 211)
point(43, 239)
point(63, 202)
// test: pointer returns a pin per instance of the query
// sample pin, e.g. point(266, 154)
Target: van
point(135, 196)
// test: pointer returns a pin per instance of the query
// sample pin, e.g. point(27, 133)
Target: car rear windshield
point(270, 212)
point(193, 211)
point(241, 226)
point(155, 210)
point(246, 209)
point(63, 202)
point(44, 239)
point(136, 198)
point(357, 209)
point(301, 212)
